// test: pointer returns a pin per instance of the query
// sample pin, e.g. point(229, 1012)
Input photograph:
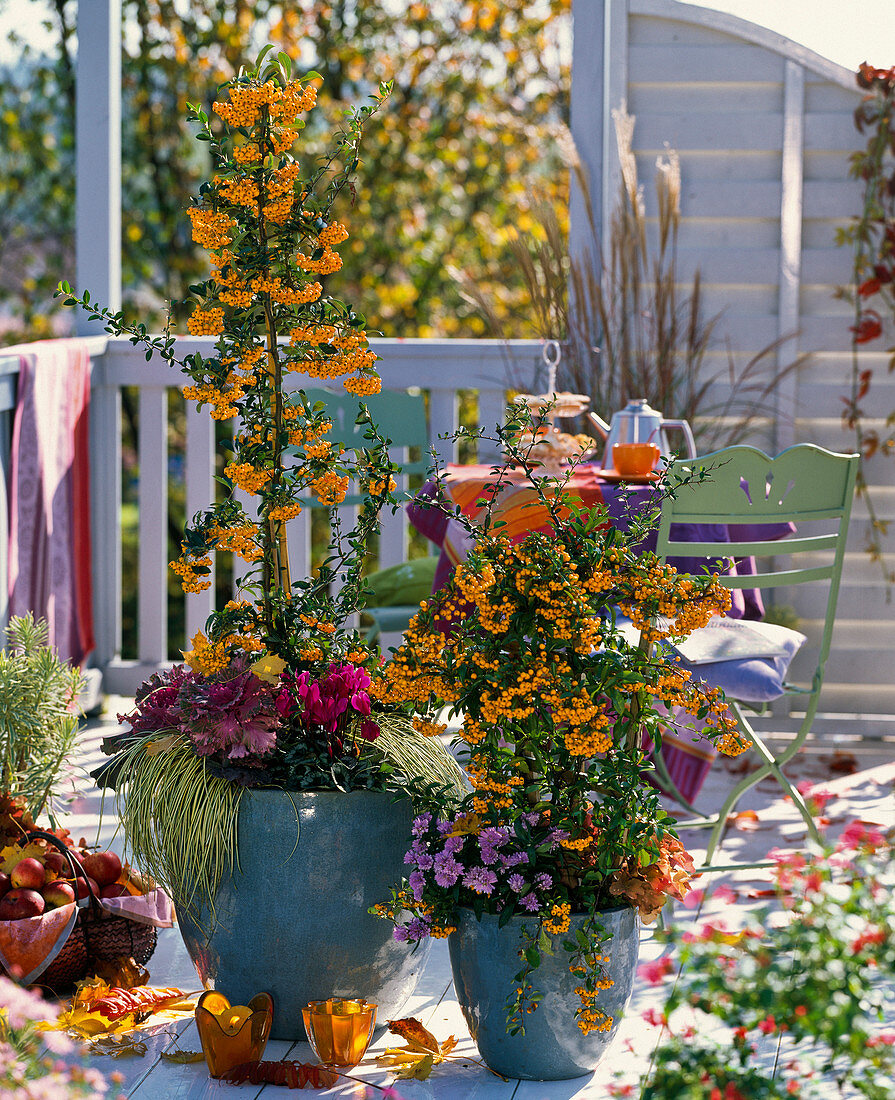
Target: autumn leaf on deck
point(123, 972)
point(290, 1075)
point(423, 1051)
point(183, 1057)
point(118, 1046)
point(746, 821)
point(98, 1009)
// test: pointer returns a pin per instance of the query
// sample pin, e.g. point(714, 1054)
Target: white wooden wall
point(764, 130)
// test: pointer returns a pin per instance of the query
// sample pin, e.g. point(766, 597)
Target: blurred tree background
point(448, 172)
point(451, 170)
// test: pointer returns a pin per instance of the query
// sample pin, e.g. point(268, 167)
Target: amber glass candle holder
point(339, 1030)
point(232, 1034)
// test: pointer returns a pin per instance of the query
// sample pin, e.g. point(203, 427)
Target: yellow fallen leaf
point(183, 1057)
point(423, 1051)
point(417, 1071)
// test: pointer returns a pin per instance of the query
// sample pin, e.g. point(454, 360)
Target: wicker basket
point(97, 936)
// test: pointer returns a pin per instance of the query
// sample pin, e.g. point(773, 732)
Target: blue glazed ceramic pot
point(485, 958)
point(291, 920)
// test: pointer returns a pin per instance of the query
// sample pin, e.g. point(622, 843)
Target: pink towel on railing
point(49, 528)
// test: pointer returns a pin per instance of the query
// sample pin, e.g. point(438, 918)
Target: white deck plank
point(864, 795)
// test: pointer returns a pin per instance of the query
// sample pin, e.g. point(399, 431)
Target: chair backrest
point(750, 493)
point(399, 417)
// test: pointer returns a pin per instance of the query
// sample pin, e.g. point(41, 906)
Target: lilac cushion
point(752, 679)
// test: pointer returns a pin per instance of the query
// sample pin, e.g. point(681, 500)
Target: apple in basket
point(114, 890)
point(18, 904)
point(56, 865)
point(28, 874)
point(58, 893)
point(103, 867)
point(81, 887)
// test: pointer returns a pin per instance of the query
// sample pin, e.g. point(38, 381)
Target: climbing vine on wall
point(871, 235)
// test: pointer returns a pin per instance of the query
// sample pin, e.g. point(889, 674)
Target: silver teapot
point(638, 423)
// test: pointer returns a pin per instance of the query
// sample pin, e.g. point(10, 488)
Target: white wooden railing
point(440, 368)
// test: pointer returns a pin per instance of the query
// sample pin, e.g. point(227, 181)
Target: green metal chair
point(805, 485)
point(401, 419)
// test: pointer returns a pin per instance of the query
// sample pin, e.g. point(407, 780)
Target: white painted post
point(98, 258)
point(98, 156)
point(152, 594)
point(589, 111)
point(791, 206)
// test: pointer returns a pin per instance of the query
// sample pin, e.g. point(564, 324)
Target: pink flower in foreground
point(861, 834)
point(655, 971)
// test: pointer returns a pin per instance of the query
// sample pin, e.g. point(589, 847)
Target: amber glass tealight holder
point(232, 1034)
point(339, 1030)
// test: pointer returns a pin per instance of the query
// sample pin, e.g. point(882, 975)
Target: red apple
point(21, 903)
point(103, 867)
point(28, 874)
point(57, 893)
point(81, 887)
point(5, 884)
point(56, 865)
point(115, 890)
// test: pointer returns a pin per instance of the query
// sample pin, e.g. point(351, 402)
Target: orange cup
point(634, 459)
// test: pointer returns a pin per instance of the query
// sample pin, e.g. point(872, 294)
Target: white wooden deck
point(867, 794)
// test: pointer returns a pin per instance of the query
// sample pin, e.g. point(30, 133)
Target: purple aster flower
point(399, 933)
point(488, 855)
point(516, 882)
point(453, 844)
point(424, 861)
point(530, 903)
point(493, 836)
point(418, 929)
point(543, 881)
point(421, 824)
point(445, 827)
point(447, 871)
point(410, 857)
point(531, 818)
point(417, 883)
point(480, 879)
point(513, 859)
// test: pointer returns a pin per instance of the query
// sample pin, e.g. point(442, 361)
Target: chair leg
point(772, 766)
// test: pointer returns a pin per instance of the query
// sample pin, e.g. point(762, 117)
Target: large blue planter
point(485, 958)
point(292, 918)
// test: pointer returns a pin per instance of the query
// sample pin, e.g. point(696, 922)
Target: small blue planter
point(485, 958)
point(292, 919)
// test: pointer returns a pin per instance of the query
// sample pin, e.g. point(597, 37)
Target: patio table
point(689, 756)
